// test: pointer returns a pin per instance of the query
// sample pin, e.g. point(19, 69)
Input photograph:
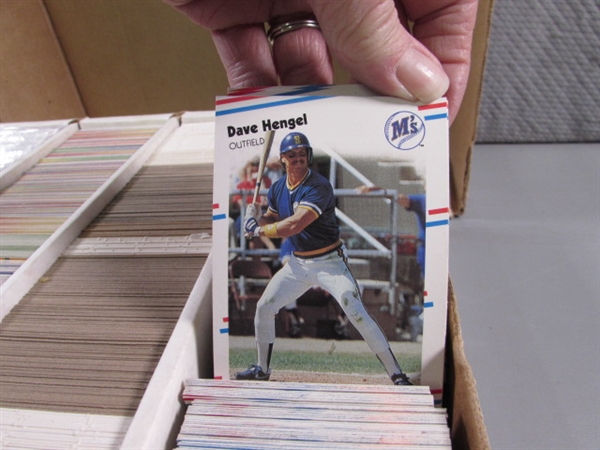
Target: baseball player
point(301, 207)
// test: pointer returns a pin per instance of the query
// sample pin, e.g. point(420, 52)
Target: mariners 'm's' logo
point(404, 130)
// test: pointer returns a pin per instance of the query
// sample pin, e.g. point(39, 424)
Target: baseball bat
point(269, 135)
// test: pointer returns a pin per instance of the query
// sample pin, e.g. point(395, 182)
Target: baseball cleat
point(253, 372)
point(400, 379)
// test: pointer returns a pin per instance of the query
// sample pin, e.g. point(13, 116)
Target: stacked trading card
point(274, 416)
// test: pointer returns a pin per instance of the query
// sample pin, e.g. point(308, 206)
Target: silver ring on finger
point(280, 29)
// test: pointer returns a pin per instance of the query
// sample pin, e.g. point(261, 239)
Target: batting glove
point(253, 211)
point(251, 227)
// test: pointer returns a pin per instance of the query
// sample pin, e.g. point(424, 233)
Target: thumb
point(369, 41)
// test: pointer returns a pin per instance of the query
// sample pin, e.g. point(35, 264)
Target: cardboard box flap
point(464, 128)
point(460, 392)
point(36, 83)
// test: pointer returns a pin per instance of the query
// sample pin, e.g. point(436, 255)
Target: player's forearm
point(275, 229)
point(268, 226)
point(289, 226)
point(280, 229)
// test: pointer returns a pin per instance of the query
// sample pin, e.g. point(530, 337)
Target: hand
point(366, 189)
point(253, 210)
point(368, 38)
point(404, 201)
point(251, 227)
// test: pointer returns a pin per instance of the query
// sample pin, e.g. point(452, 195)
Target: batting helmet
point(293, 141)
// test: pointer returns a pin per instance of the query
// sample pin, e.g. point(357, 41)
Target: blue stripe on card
point(436, 116)
point(437, 223)
point(270, 105)
point(223, 330)
point(219, 216)
point(428, 305)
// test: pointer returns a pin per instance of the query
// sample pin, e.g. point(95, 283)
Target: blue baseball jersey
point(315, 193)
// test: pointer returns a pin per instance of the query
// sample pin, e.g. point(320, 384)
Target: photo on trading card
point(321, 245)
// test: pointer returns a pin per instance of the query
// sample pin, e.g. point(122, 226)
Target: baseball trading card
point(330, 244)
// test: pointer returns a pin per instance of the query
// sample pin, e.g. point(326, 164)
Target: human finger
point(238, 33)
point(368, 39)
point(445, 27)
point(301, 56)
point(246, 56)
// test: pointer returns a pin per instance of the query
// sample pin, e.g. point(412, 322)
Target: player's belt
point(320, 251)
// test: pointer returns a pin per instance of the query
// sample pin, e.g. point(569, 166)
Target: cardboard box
point(65, 59)
point(69, 59)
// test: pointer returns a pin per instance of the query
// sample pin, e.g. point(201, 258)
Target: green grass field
point(365, 363)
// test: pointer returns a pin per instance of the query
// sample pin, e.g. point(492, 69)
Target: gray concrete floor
point(525, 264)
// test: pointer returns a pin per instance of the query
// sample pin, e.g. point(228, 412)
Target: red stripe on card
point(225, 319)
point(235, 99)
point(215, 206)
point(438, 211)
point(424, 293)
point(218, 377)
point(436, 391)
point(432, 106)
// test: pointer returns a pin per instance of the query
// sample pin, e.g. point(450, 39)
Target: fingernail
point(421, 76)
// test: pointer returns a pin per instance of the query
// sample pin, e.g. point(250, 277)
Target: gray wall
point(542, 73)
